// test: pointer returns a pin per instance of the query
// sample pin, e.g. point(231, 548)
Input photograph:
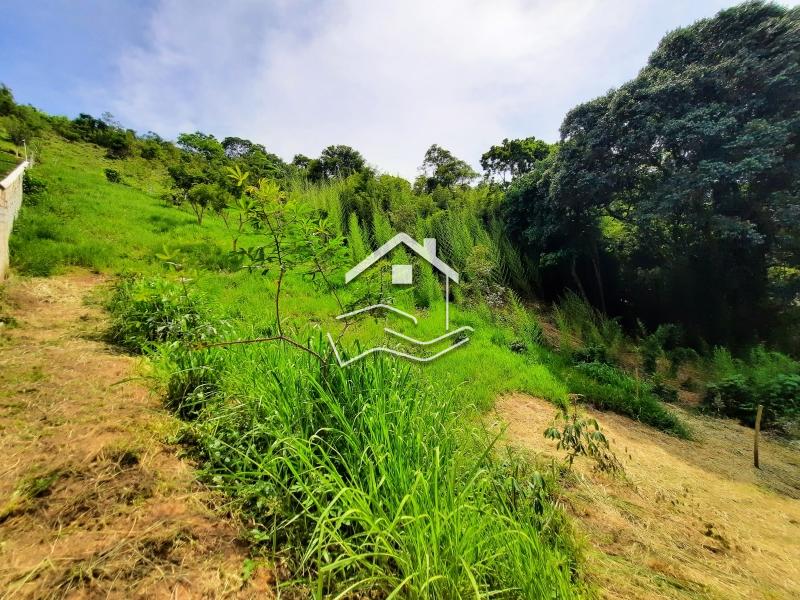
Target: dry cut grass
point(92, 502)
point(691, 519)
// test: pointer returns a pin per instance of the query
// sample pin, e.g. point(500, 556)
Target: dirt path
point(93, 503)
point(693, 519)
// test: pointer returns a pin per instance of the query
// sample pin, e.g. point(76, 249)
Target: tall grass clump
point(375, 482)
point(580, 323)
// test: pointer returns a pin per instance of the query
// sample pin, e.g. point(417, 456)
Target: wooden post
point(755, 439)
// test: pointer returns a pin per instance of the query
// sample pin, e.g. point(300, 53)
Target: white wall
point(10, 201)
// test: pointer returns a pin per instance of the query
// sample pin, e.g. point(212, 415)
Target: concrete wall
point(10, 201)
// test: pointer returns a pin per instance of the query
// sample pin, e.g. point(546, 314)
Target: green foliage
point(427, 290)
point(191, 377)
point(695, 161)
point(335, 162)
point(740, 385)
point(204, 144)
point(363, 471)
point(148, 311)
point(20, 131)
point(7, 103)
point(513, 158)
point(577, 321)
point(443, 170)
point(32, 186)
point(105, 132)
point(382, 230)
point(582, 436)
point(608, 388)
point(355, 240)
point(655, 345)
point(113, 176)
point(204, 196)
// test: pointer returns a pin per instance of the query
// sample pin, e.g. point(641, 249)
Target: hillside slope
point(81, 219)
point(691, 519)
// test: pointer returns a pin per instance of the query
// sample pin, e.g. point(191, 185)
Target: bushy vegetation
point(740, 385)
point(609, 388)
point(673, 199)
point(149, 311)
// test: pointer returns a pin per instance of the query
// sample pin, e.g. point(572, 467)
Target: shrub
point(7, 103)
point(582, 436)
point(591, 354)
point(32, 186)
point(19, 131)
point(578, 319)
point(738, 397)
point(768, 378)
point(151, 150)
point(192, 377)
point(665, 392)
point(113, 175)
point(147, 311)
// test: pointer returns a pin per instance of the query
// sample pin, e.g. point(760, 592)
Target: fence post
point(755, 439)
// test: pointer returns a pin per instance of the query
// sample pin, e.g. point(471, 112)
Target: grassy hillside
point(81, 219)
point(378, 476)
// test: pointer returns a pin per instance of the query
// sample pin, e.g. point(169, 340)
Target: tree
point(301, 161)
point(442, 169)
point(87, 127)
point(236, 147)
point(513, 158)
point(336, 162)
point(7, 103)
point(203, 196)
point(204, 144)
point(681, 182)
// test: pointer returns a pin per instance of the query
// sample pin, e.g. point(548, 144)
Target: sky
point(388, 77)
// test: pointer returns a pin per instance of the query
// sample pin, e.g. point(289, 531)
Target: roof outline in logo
point(426, 250)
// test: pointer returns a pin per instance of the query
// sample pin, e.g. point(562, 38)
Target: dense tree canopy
point(442, 169)
point(201, 143)
point(679, 190)
point(336, 162)
point(513, 158)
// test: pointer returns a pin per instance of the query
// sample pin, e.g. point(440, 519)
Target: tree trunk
point(577, 279)
point(598, 277)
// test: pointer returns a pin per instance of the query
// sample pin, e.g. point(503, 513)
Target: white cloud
point(387, 77)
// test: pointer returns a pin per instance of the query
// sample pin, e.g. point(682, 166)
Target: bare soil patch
point(691, 519)
point(93, 502)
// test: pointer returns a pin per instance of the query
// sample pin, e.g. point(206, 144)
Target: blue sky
point(387, 77)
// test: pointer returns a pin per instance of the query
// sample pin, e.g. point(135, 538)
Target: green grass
point(371, 479)
point(83, 220)
point(8, 162)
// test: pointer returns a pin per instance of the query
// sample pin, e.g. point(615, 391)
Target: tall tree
point(204, 144)
point(513, 158)
point(336, 162)
point(442, 169)
point(694, 166)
